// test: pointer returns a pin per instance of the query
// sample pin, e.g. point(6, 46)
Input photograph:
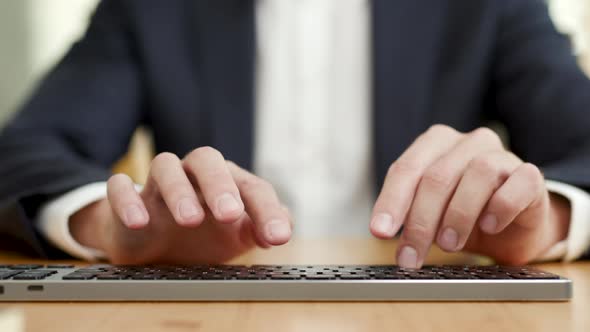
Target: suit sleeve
point(541, 93)
point(77, 123)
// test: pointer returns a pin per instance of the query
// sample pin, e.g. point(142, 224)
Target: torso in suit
point(183, 68)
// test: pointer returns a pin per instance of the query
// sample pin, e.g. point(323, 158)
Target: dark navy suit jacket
point(185, 68)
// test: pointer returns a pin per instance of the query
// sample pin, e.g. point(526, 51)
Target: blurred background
point(34, 34)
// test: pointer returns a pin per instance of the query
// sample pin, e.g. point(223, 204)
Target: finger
point(289, 215)
point(176, 190)
point(126, 202)
point(403, 176)
point(434, 192)
point(483, 176)
point(524, 188)
point(248, 234)
point(263, 206)
point(221, 194)
point(258, 236)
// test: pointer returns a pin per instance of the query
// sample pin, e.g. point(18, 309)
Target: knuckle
point(404, 166)
point(487, 135)
point(533, 178)
point(437, 177)
point(286, 210)
point(484, 165)
point(441, 130)
point(459, 217)
point(118, 179)
point(166, 157)
point(418, 231)
point(175, 188)
point(214, 175)
point(513, 157)
point(252, 184)
point(231, 164)
point(205, 152)
point(265, 185)
point(533, 173)
point(389, 200)
point(506, 204)
point(118, 189)
point(268, 186)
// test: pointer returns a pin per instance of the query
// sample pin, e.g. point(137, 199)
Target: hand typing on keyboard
point(465, 191)
point(201, 209)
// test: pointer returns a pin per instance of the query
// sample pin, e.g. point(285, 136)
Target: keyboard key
point(390, 277)
point(29, 276)
point(527, 276)
point(456, 276)
point(215, 277)
point(78, 276)
point(420, 276)
point(354, 276)
point(8, 274)
point(88, 271)
point(178, 277)
point(100, 267)
point(285, 277)
point(146, 277)
point(25, 266)
point(319, 277)
point(60, 266)
point(111, 277)
point(488, 276)
point(251, 277)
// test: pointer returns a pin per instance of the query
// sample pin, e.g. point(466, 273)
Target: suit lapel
point(225, 32)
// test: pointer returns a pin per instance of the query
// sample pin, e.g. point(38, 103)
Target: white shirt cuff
point(578, 239)
point(53, 219)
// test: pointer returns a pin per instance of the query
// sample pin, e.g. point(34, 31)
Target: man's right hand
point(201, 209)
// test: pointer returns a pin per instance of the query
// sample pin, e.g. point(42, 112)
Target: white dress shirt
point(313, 122)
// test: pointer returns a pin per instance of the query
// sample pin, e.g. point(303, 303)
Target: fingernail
point(449, 239)
point(383, 223)
point(489, 223)
point(278, 230)
point(187, 209)
point(134, 216)
point(227, 204)
point(408, 258)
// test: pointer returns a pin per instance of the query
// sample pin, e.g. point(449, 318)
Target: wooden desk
point(341, 317)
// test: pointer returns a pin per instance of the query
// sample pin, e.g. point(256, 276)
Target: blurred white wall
point(14, 48)
point(55, 25)
point(36, 33)
point(573, 17)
